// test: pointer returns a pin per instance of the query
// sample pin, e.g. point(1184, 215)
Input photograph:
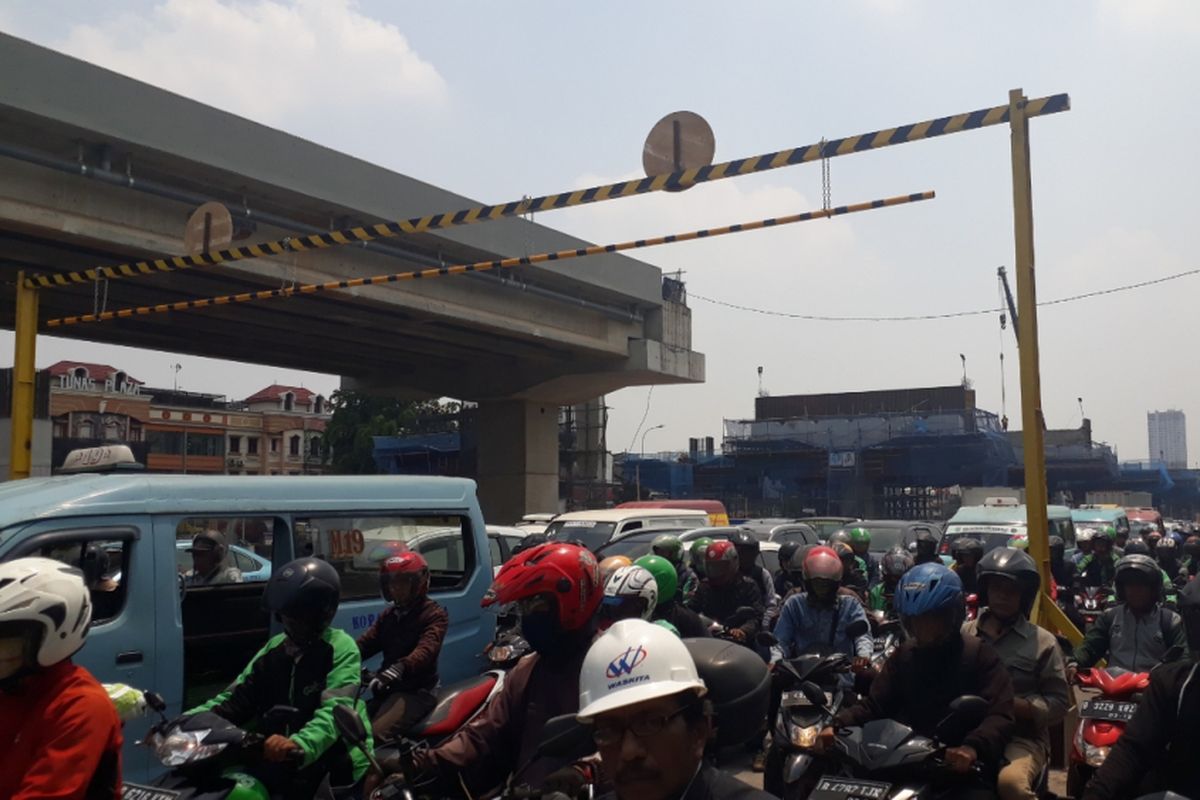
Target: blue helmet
point(928, 588)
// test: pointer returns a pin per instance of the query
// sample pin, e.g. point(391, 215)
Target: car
point(535, 523)
point(996, 526)
point(782, 530)
point(768, 550)
point(825, 526)
point(637, 544)
point(254, 568)
point(440, 547)
point(888, 533)
point(595, 528)
point(502, 540)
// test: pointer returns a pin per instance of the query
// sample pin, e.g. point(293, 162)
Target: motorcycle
point(208, 757)
point(1091, 601)
point(564, 738)
point(888, 634)
point(1103, 718)
point(793, 764)
point(886, 760)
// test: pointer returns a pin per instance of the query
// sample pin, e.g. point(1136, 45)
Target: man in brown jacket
point(1008, 583)
point(409, 634)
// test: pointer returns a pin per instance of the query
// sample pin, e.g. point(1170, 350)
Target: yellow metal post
point(24, 355)
point(1032, 419)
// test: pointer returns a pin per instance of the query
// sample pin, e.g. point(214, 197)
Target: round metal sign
point(680, 140)
point(209, 228)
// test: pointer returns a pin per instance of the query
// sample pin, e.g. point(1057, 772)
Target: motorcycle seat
point(455, 705)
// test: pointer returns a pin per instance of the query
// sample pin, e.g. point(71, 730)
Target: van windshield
point(588, 532)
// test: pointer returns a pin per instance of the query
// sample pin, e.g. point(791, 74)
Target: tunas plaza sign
point(78, 383)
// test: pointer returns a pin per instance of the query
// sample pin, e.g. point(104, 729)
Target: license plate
point(1114, 710)
point(134, 791)
point(797, 699)
point(849, 789)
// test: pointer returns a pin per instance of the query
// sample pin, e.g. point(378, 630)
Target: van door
point(117, 559)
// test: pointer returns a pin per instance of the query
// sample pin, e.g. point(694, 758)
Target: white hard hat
point(632, 662)
point(50, 597)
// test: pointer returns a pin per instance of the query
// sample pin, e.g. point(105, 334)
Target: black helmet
point(786, 551)
point(1058, 547)
point(1168, 548)
point(840, 535)
point(304, 596)
point(1191, 546)
point(746, 544)
point(896, 562)
point(739, 687)
point(966, 546)
point(1189, 609)
point(1140, 569)
point(1137, 547)
point(1015, 565)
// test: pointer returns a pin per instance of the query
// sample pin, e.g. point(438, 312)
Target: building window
point(81, 373)
point(294, 446)
point(314, 447)
point(289, 401)
point(85, 430)
point(205, 444)
point(166, 442)
point(235, 444)
point(318, 405)
point(274, 444)
point(252, 445)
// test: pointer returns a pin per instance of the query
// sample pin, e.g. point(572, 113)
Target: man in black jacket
point(409, 634)
point(1157, 751)
point(724, 590)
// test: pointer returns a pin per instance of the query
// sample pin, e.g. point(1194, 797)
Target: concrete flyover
point(99, 169)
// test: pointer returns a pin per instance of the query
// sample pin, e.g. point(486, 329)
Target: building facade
point(276, 431)
point(1168, 438)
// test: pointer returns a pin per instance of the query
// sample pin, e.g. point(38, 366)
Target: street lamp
point(655, 428)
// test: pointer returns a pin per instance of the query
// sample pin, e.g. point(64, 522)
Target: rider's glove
point(385, 678)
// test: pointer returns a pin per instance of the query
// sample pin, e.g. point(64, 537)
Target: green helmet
point(860, 536)
point(697, 553)
point(664, 575)
point(1110, 532)
point(668, 546)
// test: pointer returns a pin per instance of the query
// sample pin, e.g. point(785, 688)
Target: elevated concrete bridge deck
point(99, 169)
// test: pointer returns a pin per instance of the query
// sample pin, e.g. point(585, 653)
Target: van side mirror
point(155, 701)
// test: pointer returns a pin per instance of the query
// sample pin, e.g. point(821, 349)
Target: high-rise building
point(1168, 437)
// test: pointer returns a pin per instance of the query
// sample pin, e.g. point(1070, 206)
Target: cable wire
point(948, 315)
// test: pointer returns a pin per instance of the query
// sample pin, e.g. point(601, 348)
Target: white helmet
point(1084, 534)
point(49, 598)
point(632, 581)
point(634, 661)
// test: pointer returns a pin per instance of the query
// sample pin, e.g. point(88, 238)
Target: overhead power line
point(945, 315)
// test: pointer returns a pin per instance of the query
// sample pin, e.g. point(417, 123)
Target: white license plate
point(134, 791)
point(849, 789)
point(1113, 710)
point(797, 699)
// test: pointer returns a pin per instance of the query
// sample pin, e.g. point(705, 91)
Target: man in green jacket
point(309, 666)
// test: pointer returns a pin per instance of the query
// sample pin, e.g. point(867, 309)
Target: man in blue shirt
point(820, 615)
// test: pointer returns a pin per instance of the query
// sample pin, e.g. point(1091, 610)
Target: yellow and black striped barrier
point(484, 266)
point(743, 166)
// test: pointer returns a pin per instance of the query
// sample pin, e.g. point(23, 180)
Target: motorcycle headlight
point(501, 653)
point(183, 747)
point(805, 737)
point(1093, 756)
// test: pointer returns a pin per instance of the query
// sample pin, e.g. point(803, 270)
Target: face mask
point(540, 629)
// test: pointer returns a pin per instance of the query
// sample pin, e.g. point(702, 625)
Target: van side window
point(356, 546)
point(631, 526)
point(225, 550)
point(105, 565)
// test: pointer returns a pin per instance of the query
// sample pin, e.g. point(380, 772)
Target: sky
point(502, 100)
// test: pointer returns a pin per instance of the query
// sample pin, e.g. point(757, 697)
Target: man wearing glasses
point(640, 691)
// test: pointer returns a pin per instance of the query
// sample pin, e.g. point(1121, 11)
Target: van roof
point(89, 494)
point(622, 514)
point(1002, 515)
point(711, 506)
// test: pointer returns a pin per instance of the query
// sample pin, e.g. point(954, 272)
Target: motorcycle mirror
point(566, 738)
point(765, 639)
point(155, 701)
point(740, 617)
point(965, 713)
point(813, 694)
point(857, 628)
point(349, 725)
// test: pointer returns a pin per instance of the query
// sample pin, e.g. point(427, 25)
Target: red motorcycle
point(972, 606)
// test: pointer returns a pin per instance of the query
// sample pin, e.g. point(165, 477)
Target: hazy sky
point(500, 100)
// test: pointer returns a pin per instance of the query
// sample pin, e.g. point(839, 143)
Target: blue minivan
point(153, 629)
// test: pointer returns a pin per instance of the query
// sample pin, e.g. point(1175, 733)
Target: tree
point(358, 417)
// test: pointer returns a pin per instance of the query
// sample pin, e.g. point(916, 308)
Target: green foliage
point(358, 417)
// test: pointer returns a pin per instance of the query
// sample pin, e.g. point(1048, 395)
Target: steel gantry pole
point(20, 461)
point(1033, 421)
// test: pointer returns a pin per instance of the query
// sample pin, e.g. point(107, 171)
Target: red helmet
point(406, 565)
point(567, 572)
point(823, 562)
point(721, 562)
